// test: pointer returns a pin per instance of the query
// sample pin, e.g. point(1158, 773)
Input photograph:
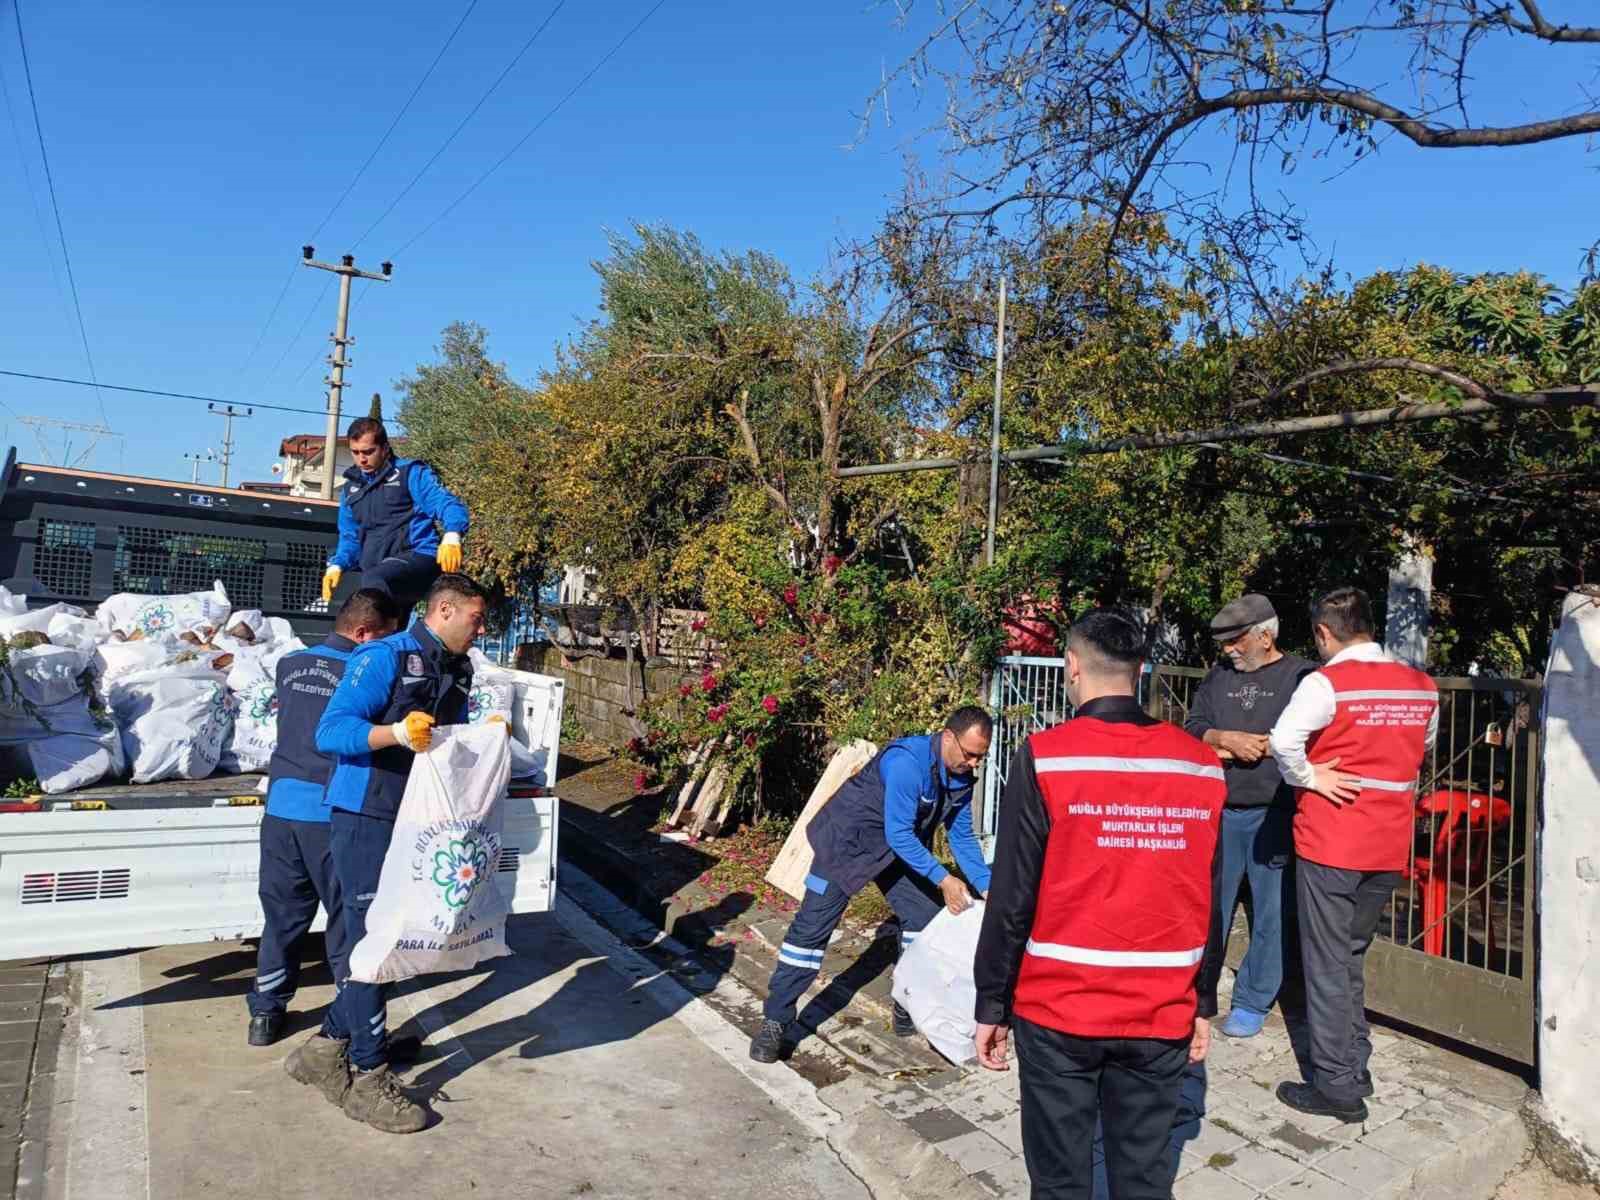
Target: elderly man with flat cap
point(1232, 711)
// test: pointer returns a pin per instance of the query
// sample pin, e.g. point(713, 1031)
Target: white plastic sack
point(67, 630)
point(71, 716)
point(254, 735)
point(65, 761)
point(11, 604)
point(116, 661)
point(494, 694)
point(933, 982)
point(174, 720)
point(43, 675)
point(36, 621)
point(439, 907)
point(200, 614)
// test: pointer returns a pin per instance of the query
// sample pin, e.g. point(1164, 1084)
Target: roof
point(310, 445)
point(264, 486)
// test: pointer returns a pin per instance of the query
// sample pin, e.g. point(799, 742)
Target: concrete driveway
point(573, 1068)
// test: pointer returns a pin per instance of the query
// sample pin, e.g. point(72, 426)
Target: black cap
point(1238, 615)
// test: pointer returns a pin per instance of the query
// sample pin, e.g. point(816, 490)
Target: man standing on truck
point(877, 829)
point(388, 513)
point(296, 864)
point(393, 693)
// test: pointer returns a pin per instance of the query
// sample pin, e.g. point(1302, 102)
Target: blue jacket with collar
point(386, 679)
point(297, 777)
point(890, 809)
point(391, 513)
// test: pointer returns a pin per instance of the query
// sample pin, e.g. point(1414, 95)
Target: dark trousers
point(1185, 1128)
point(1258, 845)
point(296, 873)
point(407, 579)
point(1129, 1086)
point(914, 900)
point(359, 1012)
point(1339, 912)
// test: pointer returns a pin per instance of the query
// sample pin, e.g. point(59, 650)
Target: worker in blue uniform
point(296, 864)
point(393, 693)
point(878, 828)
point(389, 513)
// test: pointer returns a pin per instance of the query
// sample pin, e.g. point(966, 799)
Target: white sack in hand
point(933, 982)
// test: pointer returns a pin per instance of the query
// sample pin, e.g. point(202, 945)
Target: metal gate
point(1456, 946)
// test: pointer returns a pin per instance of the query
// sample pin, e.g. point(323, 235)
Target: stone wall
point(597, 690)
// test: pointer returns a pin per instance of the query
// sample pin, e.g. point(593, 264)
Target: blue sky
point(195, 147)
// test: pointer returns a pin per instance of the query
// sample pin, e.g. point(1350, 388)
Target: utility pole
point(228, 412)
point(994, 426)
point(196, 460)
point(346, 271)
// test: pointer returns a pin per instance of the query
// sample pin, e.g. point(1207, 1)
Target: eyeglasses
point(970, 756)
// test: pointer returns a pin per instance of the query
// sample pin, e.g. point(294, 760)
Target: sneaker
point(903, 1025)
point(376, 1098)
point(1303, 1097)
point(324, 1064)
point(767, 1044)
point(1242, 1023)
point(265, 1029)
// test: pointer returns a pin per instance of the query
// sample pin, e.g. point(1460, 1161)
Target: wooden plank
point(793, 863)
point(698, 759)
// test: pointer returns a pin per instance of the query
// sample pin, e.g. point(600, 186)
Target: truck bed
point(216, 792)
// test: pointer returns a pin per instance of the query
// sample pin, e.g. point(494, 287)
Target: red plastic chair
point(1460, 854)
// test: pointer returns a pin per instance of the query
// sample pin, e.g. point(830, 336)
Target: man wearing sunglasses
point(878, 828)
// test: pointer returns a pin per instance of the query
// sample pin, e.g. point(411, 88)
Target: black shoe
point(903, 1025)
point(1364, 1080)
point(1303, 1097)
point(767, 1044)
point(266, 1029)
point(404, 1051)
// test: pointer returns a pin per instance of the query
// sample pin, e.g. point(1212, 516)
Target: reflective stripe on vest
point(1089, 956)
point(1390, 785)
point(1134, 766)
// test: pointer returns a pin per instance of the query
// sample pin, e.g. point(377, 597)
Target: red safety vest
point(1379, 732)
point(1124, 905)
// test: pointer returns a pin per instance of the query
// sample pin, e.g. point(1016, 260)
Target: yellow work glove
point(330, 580)
point(449, 556)
point(415, 732)
point(504, 724)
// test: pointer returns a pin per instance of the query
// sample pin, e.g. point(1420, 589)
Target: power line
point(44, 155)
point(384, 140)
point(113, 387)
point(559, 105)
point(482, 100)
point(33, 195)
point(350, 187)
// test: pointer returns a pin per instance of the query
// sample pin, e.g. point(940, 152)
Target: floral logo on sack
point(458, 868)
point(264, 704)
point(155, 618)
point(480, 703)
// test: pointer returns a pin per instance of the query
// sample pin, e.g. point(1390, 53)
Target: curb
point(1492, 1154)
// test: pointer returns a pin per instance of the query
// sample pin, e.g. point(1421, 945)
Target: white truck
point(126, 865)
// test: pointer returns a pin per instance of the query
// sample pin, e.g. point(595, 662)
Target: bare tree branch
point(1471, 387)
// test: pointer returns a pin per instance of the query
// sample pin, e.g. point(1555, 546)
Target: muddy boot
point(377, 1099)
point(324, 1064)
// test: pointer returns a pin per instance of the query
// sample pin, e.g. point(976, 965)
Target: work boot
point(1304, 1097)
point(324, 1064)
point(903, 1024)
point(1364, 1080)
point(767, 1044)
point(265, 1029)
point(377, 1099)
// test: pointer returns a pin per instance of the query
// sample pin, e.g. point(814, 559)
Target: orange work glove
point(330, 580)
point(449, 555)
point(415, 732)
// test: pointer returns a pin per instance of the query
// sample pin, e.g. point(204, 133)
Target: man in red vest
point(1100, 945)
point(1351, 742)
